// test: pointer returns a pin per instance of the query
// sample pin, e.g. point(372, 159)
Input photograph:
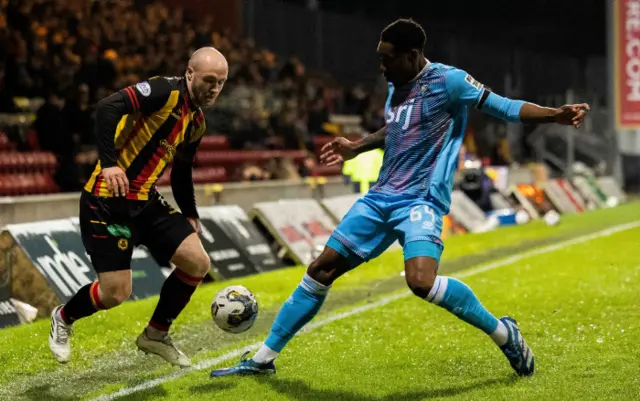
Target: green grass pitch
point(574, 289)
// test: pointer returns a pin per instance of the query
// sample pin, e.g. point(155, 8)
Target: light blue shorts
point(377, 220)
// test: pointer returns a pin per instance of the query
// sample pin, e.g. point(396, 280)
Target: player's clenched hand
point(337, 151)
point(116, 180)
point(572, 114)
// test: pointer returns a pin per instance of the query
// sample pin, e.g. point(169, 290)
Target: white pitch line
point(207, 363)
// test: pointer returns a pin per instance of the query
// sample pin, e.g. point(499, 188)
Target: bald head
point(206, 74)
point(208, 57)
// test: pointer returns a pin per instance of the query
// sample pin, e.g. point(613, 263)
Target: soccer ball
point(234, 309)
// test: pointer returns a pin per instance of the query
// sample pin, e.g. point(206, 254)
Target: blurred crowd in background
point(71, 58)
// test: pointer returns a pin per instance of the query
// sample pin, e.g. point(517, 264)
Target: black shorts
point(111, 227)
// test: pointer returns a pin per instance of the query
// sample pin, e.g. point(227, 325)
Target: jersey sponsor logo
point(395, 114)
point(144, 88)
point(473, 82)
point(169, 148)
point(117, 230)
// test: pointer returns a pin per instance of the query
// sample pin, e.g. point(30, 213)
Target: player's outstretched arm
point(570, 114)
point(342, 149)
point(465, 90)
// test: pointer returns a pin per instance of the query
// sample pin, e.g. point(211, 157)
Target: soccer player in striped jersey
point(141, 130)
point(426, 114)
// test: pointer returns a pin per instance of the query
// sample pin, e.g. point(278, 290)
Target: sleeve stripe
point(133, 103)
point(133, 97)
point(483, 98)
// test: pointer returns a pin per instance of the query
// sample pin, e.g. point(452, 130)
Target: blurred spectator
point(55, 135)
point(51, 125)
point(252, 172)
point(501, 151)
point(72, 54)
point(318, 116)
point(478, 187)
point(6, 98)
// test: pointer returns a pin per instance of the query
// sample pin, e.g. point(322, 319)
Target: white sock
point(155, 334)
point(265, 355)
point(501, 335)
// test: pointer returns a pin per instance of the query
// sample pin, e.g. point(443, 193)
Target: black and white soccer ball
point(234, 309)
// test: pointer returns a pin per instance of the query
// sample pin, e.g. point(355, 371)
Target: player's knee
point(200, 265)
point(320, 271)
point(327, 267)
point(121, 295)
point(324, 271)
point(420, 279)
point(420, 290)
point(191, 258)
point(196, 264)
point(114, 295)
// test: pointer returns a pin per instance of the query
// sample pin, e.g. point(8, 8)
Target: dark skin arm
point(571, 114)
point(342, 149)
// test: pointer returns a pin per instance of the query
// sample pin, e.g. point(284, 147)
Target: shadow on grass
point(300, 390)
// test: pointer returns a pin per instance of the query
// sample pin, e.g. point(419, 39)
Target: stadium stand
point(57, 61)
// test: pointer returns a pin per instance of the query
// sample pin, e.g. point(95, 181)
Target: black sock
point(85, 303)
point(174, 296)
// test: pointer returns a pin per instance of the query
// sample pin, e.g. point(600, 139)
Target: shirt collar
point(422, 71)
point(187, 95)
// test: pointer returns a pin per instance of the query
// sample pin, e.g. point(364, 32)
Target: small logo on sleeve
point(473, 82)
point(144, 88)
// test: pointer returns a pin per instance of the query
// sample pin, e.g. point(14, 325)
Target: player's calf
point(304, 303)
point(456, 297)
point(452, 295)
point(193, 264)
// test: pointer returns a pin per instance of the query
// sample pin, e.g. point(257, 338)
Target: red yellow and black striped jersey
point(141, 128)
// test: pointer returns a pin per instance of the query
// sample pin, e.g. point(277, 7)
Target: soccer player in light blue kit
point(426, 114)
